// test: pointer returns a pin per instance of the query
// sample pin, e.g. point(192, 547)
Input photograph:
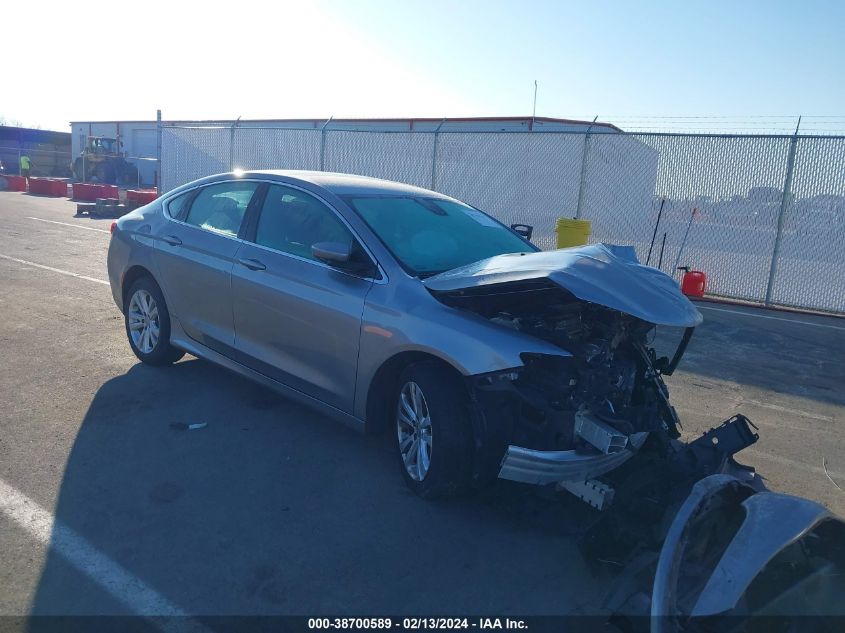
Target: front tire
point(432, 430)
point(147, 324)
point(105, 173)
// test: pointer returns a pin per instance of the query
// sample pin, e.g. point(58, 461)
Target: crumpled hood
point(604, 274)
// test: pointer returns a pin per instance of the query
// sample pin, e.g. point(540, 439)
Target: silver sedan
point(390, 306)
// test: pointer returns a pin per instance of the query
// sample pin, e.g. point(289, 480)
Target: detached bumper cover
point(531, 466)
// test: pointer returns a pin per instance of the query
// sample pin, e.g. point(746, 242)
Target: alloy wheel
point(144, 323)
point(413, 426)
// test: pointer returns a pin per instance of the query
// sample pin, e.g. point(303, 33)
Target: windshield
point(430, 235)
point(103, 145)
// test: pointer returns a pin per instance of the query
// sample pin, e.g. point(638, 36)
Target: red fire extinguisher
point(693, 282)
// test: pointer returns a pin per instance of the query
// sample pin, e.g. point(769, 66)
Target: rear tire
point(433, 435)
point(147, 323)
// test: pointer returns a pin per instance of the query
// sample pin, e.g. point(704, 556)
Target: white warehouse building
point(139, 139)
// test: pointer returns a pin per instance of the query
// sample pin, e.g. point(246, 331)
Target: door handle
point(172, 240)
point(252, 264)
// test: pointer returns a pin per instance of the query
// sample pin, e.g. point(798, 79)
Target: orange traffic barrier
point(15, 183)
point(58, 188)
point(89, 191)
point(48, 186)
point(85, 192)
point(40, 186)
point(141, 196)
point(109, 191)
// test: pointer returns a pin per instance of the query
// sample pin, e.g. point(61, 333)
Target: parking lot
point(105, 508)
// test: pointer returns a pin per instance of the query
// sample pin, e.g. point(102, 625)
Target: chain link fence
point(762, 216)
point(59, 164)
point(45, 162)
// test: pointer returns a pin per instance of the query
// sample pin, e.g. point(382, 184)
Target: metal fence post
point(323, 142)
point(158, 151)
point(434, 156)
point(784, 206)
point(232, 144)
point(583, 178)
point(232, 147)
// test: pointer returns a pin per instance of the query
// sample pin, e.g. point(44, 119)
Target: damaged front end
point(698, 543)
point(571, 418)
point(577, 416)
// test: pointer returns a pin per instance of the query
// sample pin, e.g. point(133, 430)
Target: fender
point(404, 318)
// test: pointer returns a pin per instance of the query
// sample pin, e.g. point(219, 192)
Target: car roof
point(349, 184)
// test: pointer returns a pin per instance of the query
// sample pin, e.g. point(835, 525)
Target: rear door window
point(220, 208)
point(176, 206)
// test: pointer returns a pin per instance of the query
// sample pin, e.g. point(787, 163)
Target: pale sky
point(620, 60)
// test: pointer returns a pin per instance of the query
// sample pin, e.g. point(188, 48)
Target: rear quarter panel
point(132, 244)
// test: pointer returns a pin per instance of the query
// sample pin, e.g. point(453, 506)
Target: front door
point(297, 319)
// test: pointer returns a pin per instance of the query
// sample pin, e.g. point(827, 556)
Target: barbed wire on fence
point(748, 124)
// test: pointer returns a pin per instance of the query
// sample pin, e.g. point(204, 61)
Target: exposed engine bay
point(567, 419)
point(597, 398)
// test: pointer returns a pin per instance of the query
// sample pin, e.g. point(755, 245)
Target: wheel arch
point(386, 380)
point(133, 274)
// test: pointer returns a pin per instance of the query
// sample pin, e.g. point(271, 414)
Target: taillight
point(113, 227)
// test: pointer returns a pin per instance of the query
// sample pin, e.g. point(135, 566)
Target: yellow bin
point(572, 232)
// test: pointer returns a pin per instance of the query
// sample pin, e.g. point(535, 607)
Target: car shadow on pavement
point(273, 509)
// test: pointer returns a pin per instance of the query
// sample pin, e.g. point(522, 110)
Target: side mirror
point(525, 230)
point(332, 253)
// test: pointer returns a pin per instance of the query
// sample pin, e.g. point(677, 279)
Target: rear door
point(195, 253)
point(298, 319)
